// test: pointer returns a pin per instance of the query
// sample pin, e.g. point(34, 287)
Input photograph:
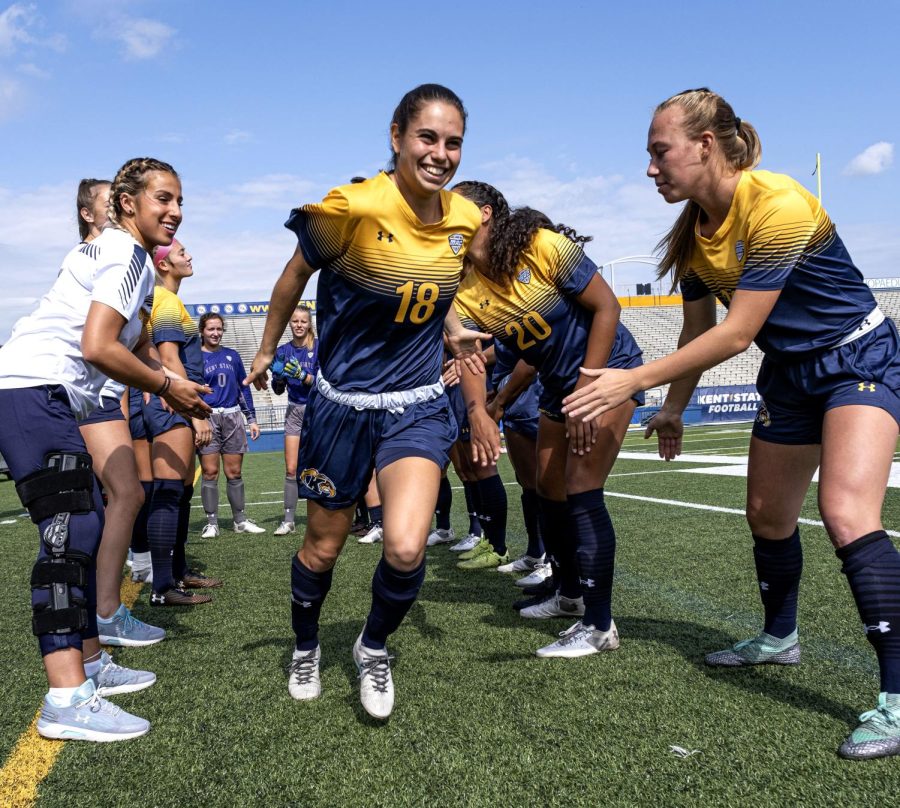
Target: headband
point(161, 253)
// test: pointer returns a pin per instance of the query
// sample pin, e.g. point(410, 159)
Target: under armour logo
point(83, 718)
point(389, 237)
point(862, 386)
point(588, 582)
point(884, 627)
point(306, 604)
point(764, 586)
point(484, 304)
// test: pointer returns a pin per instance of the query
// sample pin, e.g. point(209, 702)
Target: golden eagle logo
point(315, 481)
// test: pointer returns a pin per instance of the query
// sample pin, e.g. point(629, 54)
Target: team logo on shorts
point(456, 242)
point(866, 386)
point(762, 415)
point(739, 250)
point(524, 276)
point(314, 480)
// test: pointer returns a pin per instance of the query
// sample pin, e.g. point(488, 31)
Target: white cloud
point(236, 136)
point(13, 24)
point(879, 157)
point(32, 70)
point(140, 38)
point(12, 96)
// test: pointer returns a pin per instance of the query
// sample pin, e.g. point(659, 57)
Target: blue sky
point(263, 106)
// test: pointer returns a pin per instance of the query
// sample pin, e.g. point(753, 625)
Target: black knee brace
point(64, 486)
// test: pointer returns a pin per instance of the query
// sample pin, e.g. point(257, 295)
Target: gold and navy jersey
point(537, 315)
point(170, 322)
point(386, 285)
point(778, 236)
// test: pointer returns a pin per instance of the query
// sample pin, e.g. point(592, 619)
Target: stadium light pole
point(628, 259)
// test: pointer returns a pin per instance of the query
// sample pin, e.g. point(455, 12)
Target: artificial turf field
point(479, 720)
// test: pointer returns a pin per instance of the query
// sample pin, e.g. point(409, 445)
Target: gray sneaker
point(114, 679)
point(303, 675)
point(123, 628)
point(440, 536)
point(764, 649)
point(376, 686)
point(581, 640)
point(89, 718)
point(525, 563)
point(554, 606)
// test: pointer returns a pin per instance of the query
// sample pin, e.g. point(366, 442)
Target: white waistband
point(872, 320)
point(395, 401)
point(226, 410)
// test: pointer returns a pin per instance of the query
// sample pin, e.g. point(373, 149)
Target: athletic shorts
point(110, 409)
point(344, 443)
point(796, 396)
point(229, 435)
point(458, 411)
point(158, 421)
point(293, 419)
point(136, 415)
point(522, 415)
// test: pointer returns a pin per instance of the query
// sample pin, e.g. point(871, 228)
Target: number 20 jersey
point(386, 284)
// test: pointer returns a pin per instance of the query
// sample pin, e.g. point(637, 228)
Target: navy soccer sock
point(872, 567)
point(162, 527)
point(179, 560)
point(595, 555)
point(139, 542)
point(530, 505)
point(393, 594)
point(469, 489)
point(492, 494)
point(376, 515)
point(308, 591)
point(554, 518)
point(779, 564)
point(444, 504)
point(362, 513)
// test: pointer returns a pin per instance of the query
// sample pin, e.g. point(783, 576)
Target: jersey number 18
point(417, 304)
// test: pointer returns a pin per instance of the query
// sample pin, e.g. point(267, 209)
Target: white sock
point(61, 696)
point(142, 561)
point(92, 668)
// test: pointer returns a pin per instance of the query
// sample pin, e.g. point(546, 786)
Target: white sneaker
point(525, 563)
point(284, 528)
point(440, 536)
point(537, 576)
point(303, 675)
point(209, 532)
point(466, 544)
point(375, 534)
point(581, 640)
point(376, 687)
point(555, 606)
point(248, 526)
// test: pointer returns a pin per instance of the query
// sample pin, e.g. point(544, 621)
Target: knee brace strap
point(64, 485)
point(64, 612)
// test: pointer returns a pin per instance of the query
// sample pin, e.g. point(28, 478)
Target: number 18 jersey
point(386, 285)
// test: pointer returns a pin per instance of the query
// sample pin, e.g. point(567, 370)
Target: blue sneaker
point(89, 718)
point(114, 679)
point(123, 628)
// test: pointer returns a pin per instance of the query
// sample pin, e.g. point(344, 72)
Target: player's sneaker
point(89, 718)
point(376, 687)
point(124, 629)
point(303, 675)
point(113, 679)
point(129, 561)
point(359, 529)
point(178, 597)
point(209, 532)
point(284, 528)
point(484, 561)
point(536, 577)
point(764, 649)
point(878, 734)
point(483, 546)
point(373, 535)
point(466, 544)
point(248, 526)
point(197, 580)
point(440, 536)
point(581, 640)
point(525, 563)
point(555, 606)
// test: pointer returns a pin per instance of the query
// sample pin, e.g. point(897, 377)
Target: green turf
point(480, 720)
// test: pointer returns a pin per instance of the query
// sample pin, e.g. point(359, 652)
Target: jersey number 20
point(527, 333)
point(417, 304)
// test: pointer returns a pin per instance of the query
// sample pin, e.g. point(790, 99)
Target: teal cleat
point(764, 649)
point(878, 734)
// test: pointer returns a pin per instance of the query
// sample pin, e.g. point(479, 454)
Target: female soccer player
point(294, 369)
point(830, 378)
point(51, 371)
point(537, 292)
point(391, 251)
point(231, 403)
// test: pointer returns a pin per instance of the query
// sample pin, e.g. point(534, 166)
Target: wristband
point(303, 375)
point(167, 382)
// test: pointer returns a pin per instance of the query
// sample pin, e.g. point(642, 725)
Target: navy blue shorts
point(158, 421)
point(523, 415)
point(342, 444)
point(459, 412)
point(796, 396)
point(136, 415)
point(110, 409)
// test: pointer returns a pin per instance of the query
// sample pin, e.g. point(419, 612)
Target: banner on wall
point(737, 402)
point(242, 309)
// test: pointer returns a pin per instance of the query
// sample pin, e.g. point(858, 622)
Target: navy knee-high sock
point(492, 494)
point(472, 507)
point(560, 547)
point(530, 507)
point(162, 528)
point(179, 561)
point(779, 564)
point(393, 594)
point(595, 555)
point(444, 504)
point(362, 513)
point(376, 515)
point(139, 542)
point(872, 567)
point(308, 591)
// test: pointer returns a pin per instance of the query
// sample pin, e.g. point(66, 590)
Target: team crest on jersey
point(314, 480)
point(456, 242)
point(762, 415)
point(739, 250)
point(524, 275)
